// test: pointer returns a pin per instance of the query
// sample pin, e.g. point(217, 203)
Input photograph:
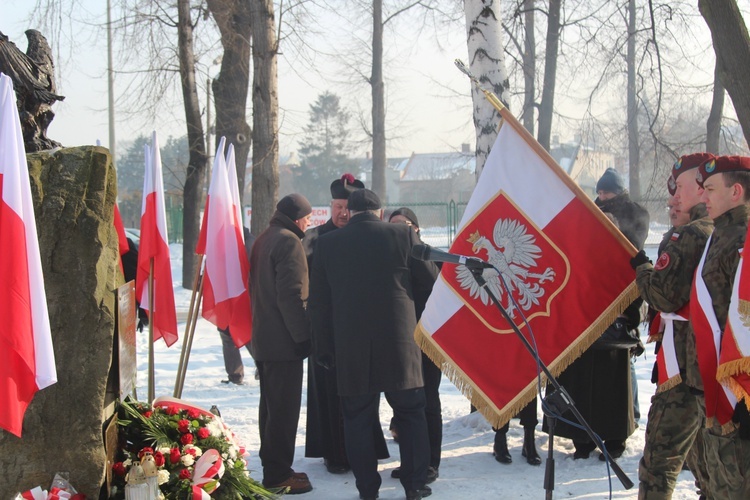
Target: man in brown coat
point(281, 337)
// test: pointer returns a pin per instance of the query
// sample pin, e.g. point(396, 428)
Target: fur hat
point(295, 206)
point(720, 165)
point(405, 212)
point(342, 188)
point(363, 199)
point(610, 182)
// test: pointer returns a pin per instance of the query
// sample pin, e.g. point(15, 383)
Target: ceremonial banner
point(734, 360)
point(226, 302)
point(566, 266)
point(154, 245)
point(27, 360)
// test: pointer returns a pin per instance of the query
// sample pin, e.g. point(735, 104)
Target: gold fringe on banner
point(498, 417)
point(726, 371)
point(669, 383)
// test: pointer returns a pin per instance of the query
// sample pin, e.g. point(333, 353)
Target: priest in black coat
point(362, 312)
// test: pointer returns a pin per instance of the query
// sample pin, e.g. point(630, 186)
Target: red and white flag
point(734, 361)
point(154, 247)
point(566, 266)
point(27, 360)
point(226, 302)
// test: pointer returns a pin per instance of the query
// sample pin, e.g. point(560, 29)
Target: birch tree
point(487, 64)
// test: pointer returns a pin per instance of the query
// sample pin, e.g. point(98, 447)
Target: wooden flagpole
point(151, 383)
point(192, 321)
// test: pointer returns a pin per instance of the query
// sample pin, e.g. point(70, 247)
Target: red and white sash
point(666, 360)
point(734, 363)
point(720, 401)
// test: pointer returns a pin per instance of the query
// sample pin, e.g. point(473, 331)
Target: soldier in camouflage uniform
point(726, 183)
point(675, 416)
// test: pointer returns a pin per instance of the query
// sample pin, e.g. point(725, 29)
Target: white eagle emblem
point(514, 254)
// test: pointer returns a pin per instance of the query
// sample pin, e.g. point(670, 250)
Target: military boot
point(529, 447)
point(500, 449)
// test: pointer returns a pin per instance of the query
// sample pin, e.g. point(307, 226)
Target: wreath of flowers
point(178, 435)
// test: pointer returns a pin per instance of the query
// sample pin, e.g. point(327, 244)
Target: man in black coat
point(325, 423)
point(362, 311)
point(281, 337)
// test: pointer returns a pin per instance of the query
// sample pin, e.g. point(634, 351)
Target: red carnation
point(186, 439)
point(174, 456)
point(171, 410)
point(203, 433)
point(193, 413)
point(144, 451)
point(191, 452)
point(183, 426)
point(118, 468)
point(159, 458)
point(148, 413)
point(185, 474)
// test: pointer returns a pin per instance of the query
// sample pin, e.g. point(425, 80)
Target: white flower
point(195, 449)
point(164, 450)
point(163, 476)
point(187, 460)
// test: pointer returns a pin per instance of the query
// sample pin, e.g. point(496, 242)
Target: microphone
point(426, 252)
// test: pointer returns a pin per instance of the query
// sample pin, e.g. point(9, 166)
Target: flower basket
point(182, 452)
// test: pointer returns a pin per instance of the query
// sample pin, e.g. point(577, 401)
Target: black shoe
point(368, 497)
point(432, 474)
point(581, 454)
point(529, 448)
point(615, 449)
point(336, 468)
point(500, 449)
point(419, 494)
point(614, 454)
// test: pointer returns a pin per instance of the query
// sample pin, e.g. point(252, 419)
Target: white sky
point(421, 117)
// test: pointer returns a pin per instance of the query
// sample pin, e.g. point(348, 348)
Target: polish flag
point(27, 359)
point(153, 246)
point(226, 302)
point(734, 360)
point(566, 267)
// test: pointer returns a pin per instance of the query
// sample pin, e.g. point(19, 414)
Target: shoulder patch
point(662, 262)
point(675, 236)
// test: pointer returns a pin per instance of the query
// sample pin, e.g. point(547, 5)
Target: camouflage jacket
point(666, 285)
point(722, 258)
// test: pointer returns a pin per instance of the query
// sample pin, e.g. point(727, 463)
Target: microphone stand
point(559, 400)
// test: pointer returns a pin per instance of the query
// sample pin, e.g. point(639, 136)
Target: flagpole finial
point(494, 100)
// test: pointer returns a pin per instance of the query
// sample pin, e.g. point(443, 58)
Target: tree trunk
point(487, 64)
point(529, 66)
point(378, 102)
point(713, 124)
point(231, 86)
point(732, 47)
point(634, 148)
point(547, 106)
point(265, 188)
point(193, 192)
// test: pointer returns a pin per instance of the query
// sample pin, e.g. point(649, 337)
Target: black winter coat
point(362, 310)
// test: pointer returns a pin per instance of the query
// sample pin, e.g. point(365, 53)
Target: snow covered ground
point(468, 469)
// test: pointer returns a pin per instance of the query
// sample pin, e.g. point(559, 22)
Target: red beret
point(722, 164)
point(686, 162)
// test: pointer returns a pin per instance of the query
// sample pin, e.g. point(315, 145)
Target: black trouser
point(527, 416)
point(232, 357)
point(278, 417)
point(359, 414)
point(433, 410)
point(325, 432)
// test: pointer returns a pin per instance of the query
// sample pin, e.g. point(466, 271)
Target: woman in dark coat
point(599, 382)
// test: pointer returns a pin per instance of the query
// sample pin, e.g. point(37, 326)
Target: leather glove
point(326, 361)
point(742, 417)
point(639, 259)
point(302, 349)
point(638, 349)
